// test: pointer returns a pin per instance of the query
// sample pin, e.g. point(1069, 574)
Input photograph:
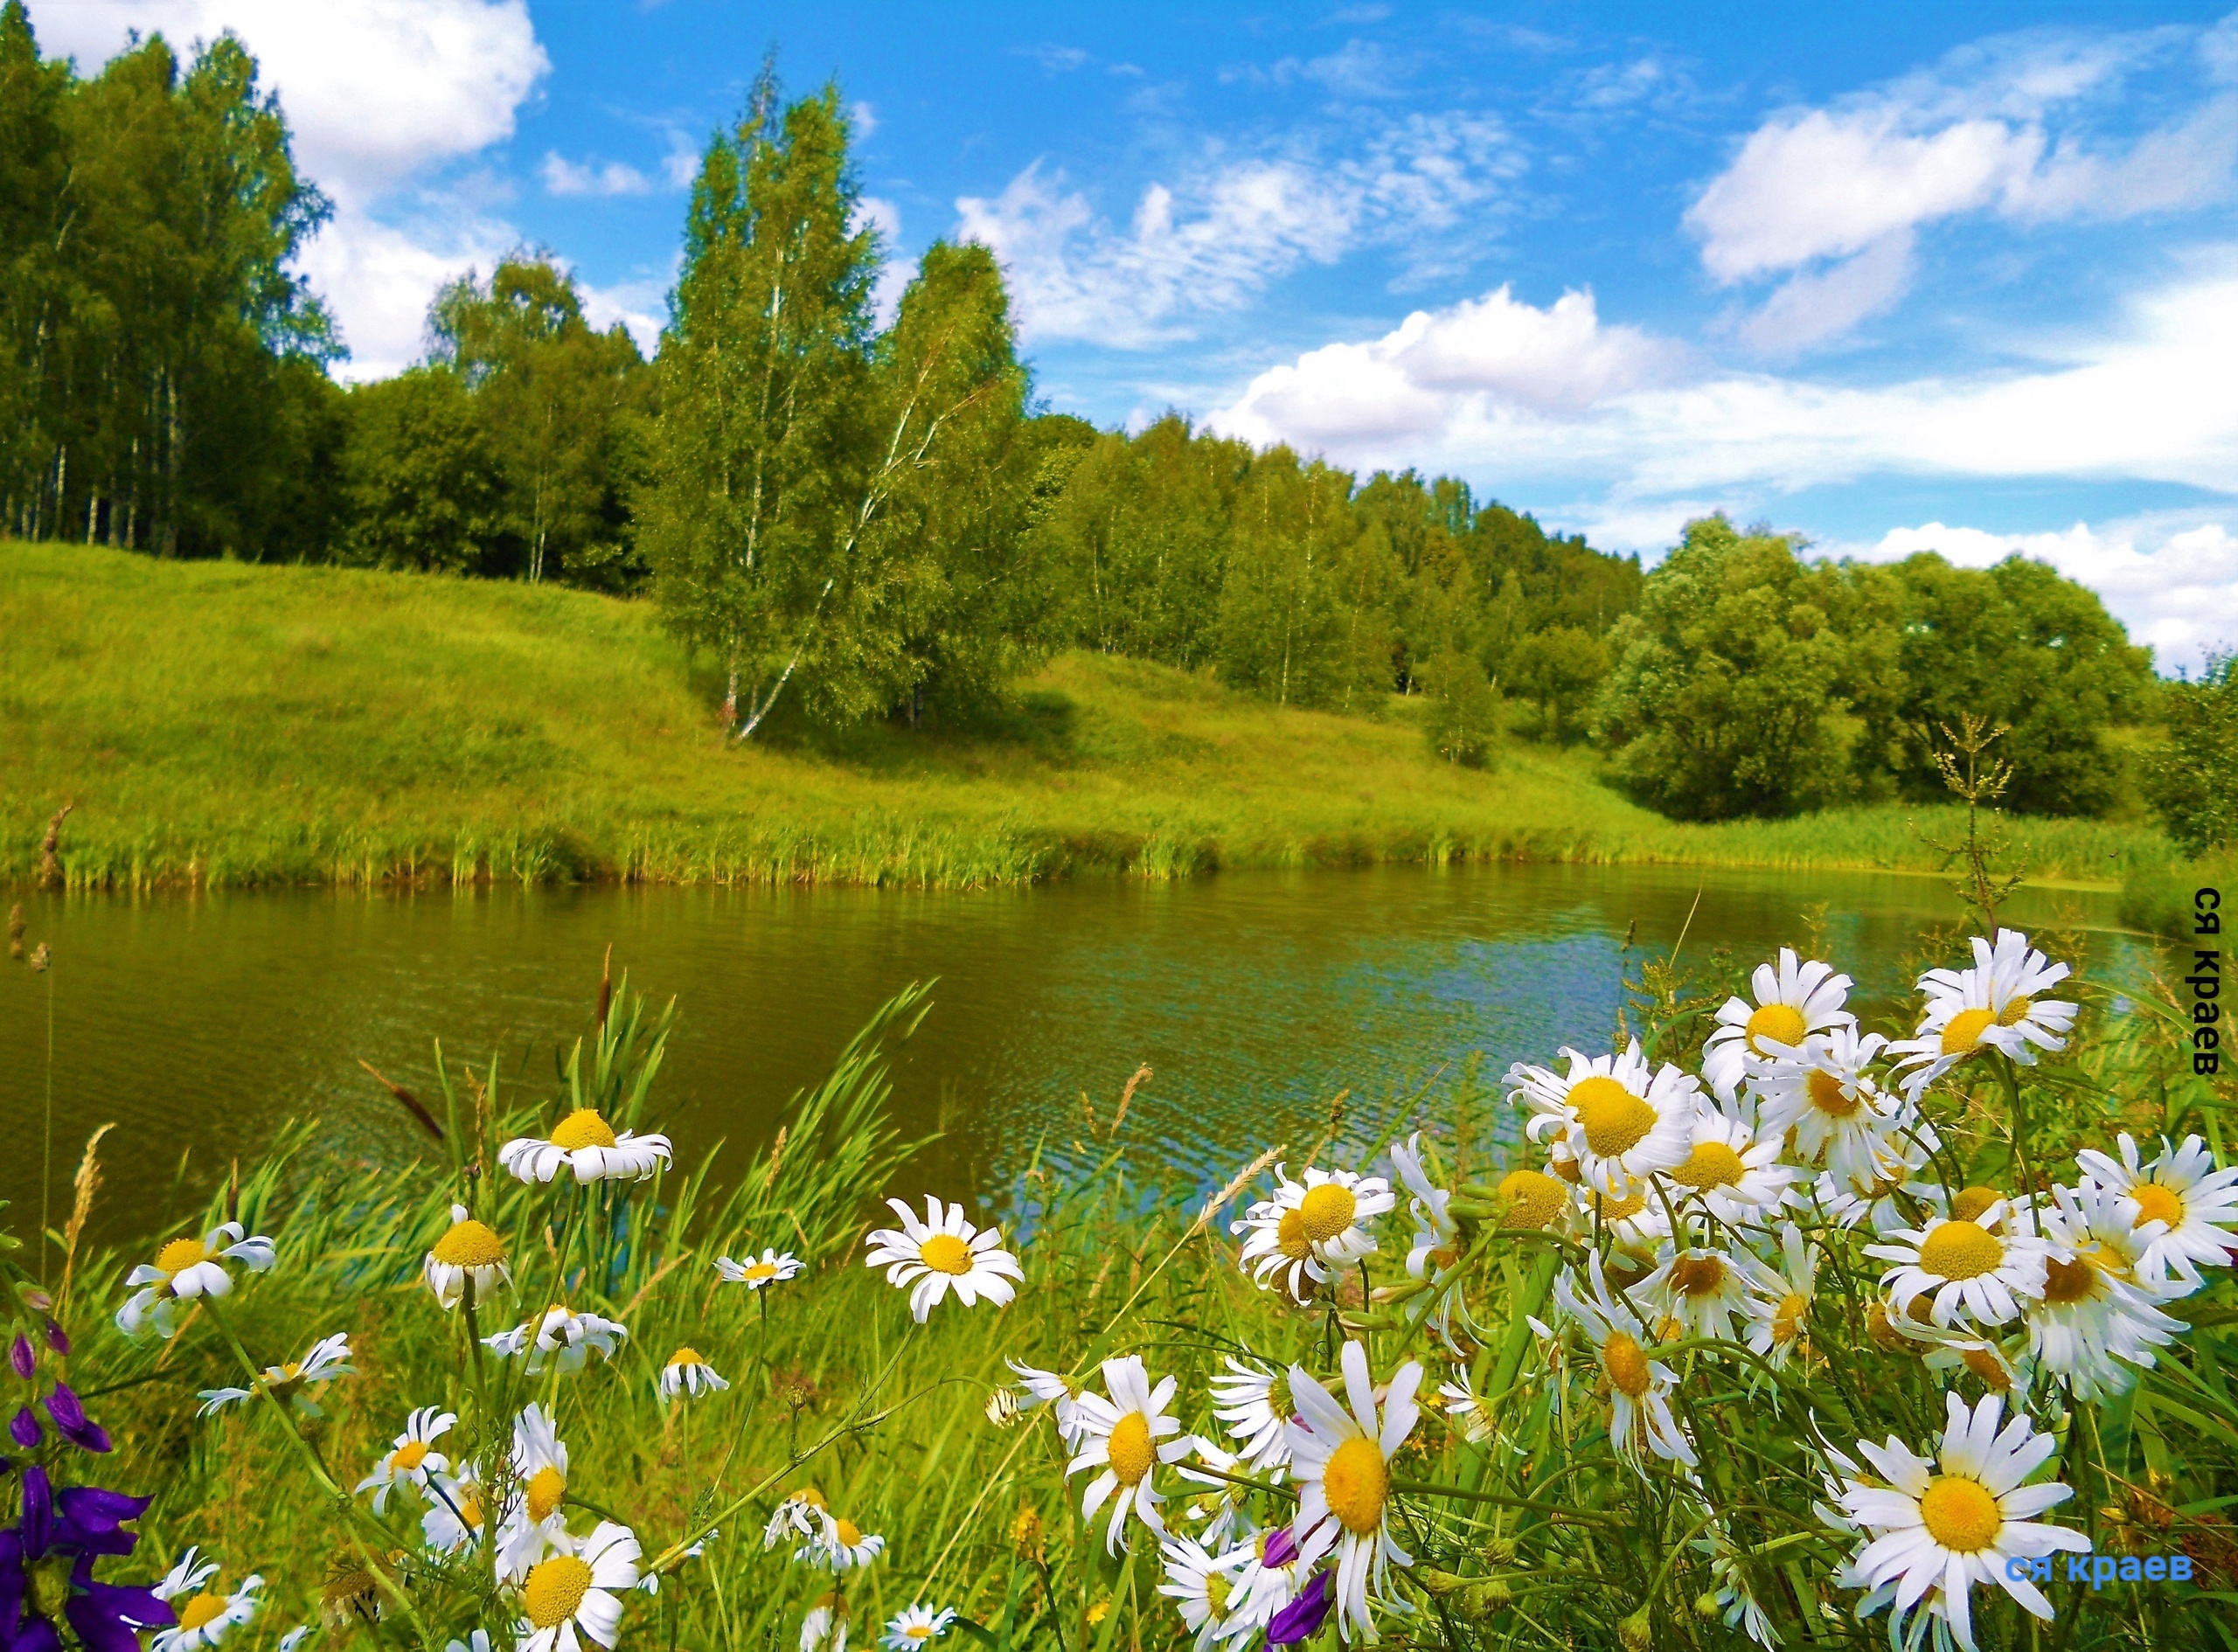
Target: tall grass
point(223, 724)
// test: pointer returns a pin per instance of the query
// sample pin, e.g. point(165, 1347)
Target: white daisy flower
point(801, 1514)
point(1793, 1001)
point(413, 1459)
point(1700, 1291)
point(2096, 1323)
point(1120, 1434)
point(942, 1253)
point(1436, 1234)
point(468, 1250)
point(1823, 1096)
point(205, 1616)
point(1342, 1462)
point(1048, 1388)
point(1463, 1410)
point(686, 1372)
point(824, 1629)
point(1731, 1590)
point(578, 1588)
point(329, 1358)
point(1616, 1120)
point(1958, 1527)
point(1256, 1406)
point(455, 1513)
point(1219, 1505)
point(302, 1633)
point(1277, 1254)
point(1639, 1388)
point(2196, 1204)
point(1951, 1349)
point(563, 1331)
point(1637, 1224)
point(1203, 1587)
point(1997, 1004)
point(1779, 1311)
point(913, 1626)
point(838, 1544)
point(534, 1519)
point(775, 1267)
point(586, 1144)
point(1271, 1577)
point(1732, 1166)
point(1873, 1189)
point(1327, 1211)
point(184, 1269)
point(1965, 1264)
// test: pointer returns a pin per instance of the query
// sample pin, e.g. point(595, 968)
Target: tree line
point(851, 520)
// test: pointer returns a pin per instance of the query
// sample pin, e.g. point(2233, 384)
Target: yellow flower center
point(1326, 1212)
point(810, 1495)
point(2067, 1283)
point(1787, 1318)
point(2158, 1204)
point(1621, 1210)
point(919, 1632)
point(200, 1610)
point(1988, 1367)
point(1614, 1118)
point(555, 1588)
point(1567, 1169)
point(1960, 1514)
point(1775, 1023)
point(546, 1488)
point(1829, 1095)
point(1969, 1202)
point(468, 1244)
point(470, 1509)
point(1278, 1396)
point(1960, 1250)
point(1290, 1237)
point(408, 1457)
point(181, 1254)
point(1698, 1275)
point(1961, 1035)
point(686, 1356)
point(945, 1253)
point(1130, 1448)
point(1711, 1165)
point(1217, 1591)
point(2015, 1012)
point(1884, 1333)
point(582, 1128)
point(1626, 1363)
point(761, 1270)
point(1356, 1482)
point(1530, 1199)
point(848, 1533)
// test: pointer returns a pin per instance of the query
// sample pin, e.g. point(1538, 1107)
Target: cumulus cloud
point(1216, 236)
point(1558, 398)
point(2171, 577)
point(563, 176)
point(379, 94)
point(2003, 127)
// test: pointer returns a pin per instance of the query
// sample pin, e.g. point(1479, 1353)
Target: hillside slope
point(217, 722)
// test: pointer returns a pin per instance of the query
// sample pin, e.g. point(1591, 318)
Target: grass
point(218, 724)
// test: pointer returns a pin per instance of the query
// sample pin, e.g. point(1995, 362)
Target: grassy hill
point(222, 724)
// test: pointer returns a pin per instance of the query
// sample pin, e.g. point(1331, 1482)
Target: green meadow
point(222, 724)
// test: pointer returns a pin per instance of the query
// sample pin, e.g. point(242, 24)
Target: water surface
point(201, 1022)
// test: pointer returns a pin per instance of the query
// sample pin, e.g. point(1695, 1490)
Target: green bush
point(2193, 781)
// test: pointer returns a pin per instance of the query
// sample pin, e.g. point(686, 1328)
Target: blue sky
point(1894, 277)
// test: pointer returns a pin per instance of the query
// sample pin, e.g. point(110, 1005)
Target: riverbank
point(220, 724)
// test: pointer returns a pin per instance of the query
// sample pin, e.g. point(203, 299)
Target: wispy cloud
point(563, 176)
point(1054, 60)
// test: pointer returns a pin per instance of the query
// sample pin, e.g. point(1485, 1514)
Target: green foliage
point(1560, 670)
point(149, 220)
point(1288, 630)
point(1724, 697)
point(2022, 647)
point(561, 409)
point(2193, 781)
point(1464, 709)
point(426, 491)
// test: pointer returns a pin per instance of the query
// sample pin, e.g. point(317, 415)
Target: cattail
point(50, 861)
point(16, 931)
point(42, 958)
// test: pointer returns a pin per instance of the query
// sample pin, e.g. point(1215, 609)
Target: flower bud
point(1635, 1632)
point(22, 1357)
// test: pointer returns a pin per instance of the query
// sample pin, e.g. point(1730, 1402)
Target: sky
point(1904, 277)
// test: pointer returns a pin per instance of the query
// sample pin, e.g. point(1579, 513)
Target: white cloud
point(2171, 577)
point(1053, 60)
point(639, 305)
point(2005, 127)
point(379, 94)
point(374, 89)
point(1217, 237)
point(865, 117)
point(1557, 399)
point(563, 176)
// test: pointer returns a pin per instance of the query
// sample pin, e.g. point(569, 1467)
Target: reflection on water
point(203, 1022)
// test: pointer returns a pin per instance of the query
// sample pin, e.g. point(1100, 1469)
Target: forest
point(847, 520)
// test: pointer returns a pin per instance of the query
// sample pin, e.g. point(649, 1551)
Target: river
point(201, 1022)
